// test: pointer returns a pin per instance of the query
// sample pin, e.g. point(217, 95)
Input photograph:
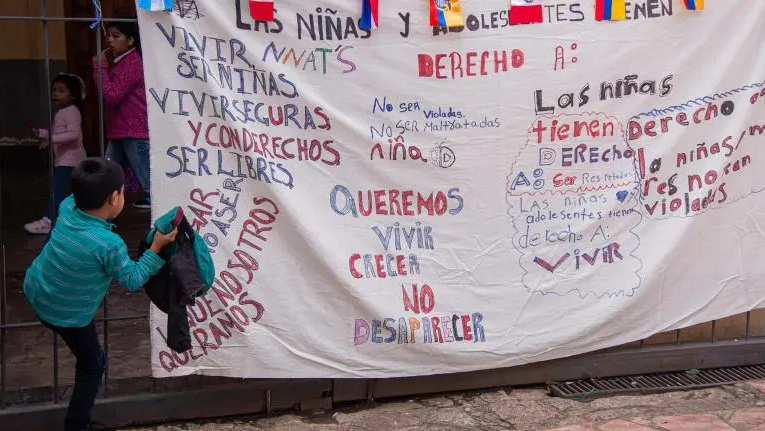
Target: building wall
point(22, 68)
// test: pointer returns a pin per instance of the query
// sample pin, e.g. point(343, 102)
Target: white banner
point(412, 200)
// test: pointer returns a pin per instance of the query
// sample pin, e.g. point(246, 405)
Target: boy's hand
point(163, 239)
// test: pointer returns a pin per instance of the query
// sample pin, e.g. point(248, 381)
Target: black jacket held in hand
point(177, 284)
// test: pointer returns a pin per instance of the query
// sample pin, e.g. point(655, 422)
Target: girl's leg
point(43, 226)
point(137, 153)
point(61, 177)
point(116, 152)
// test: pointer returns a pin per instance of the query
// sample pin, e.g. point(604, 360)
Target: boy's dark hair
point(93, 182)
point(75, 90)
point(129, 29)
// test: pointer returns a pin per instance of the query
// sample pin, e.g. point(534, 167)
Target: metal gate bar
point(44, 19)
point(3, 325)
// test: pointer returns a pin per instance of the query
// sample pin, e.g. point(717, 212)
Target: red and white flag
point(262, 10)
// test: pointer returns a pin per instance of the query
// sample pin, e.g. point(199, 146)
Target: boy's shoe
point(144, 204)
point(39, 227)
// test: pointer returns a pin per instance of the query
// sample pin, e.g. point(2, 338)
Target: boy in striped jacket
point(70, 278)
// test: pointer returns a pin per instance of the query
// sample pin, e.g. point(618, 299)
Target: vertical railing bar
point(748, 322)
point(51, 165)
point(3, 299)
point(55, 368)
point(101, 153)
point(99, 66)
point(714, 328)
point(371, 385)
point(106, 349)
point(49, 97)
point(677, 336)
point(3, 331)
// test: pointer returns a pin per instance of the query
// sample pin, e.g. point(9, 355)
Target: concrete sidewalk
point(739, 407)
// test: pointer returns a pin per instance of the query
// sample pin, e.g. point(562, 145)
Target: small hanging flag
point(369, 15)
point(694, 4)
point(155, 5)
point(445, 13)
point(262, 10)
point(526, 14)
point(610, 10)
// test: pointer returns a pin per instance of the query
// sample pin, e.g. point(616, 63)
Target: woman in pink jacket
point(124, 92)
point(67, 92)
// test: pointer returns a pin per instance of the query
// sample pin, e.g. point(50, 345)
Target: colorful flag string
point(610, 10)
point(525, 13)
point(446, 13)
point(694, 4)
point(262, 10)
point(369, 15)
point(155, 5)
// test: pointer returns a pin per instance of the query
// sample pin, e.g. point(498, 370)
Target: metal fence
point(145, 400)
point(45, 21)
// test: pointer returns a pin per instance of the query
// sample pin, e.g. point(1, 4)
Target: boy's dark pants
point(83, 342)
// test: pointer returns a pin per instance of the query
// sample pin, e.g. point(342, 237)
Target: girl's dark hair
point(74, 86)
point(129, 29)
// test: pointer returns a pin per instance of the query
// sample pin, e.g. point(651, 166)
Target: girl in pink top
point(124, 92)
point(68, 91)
